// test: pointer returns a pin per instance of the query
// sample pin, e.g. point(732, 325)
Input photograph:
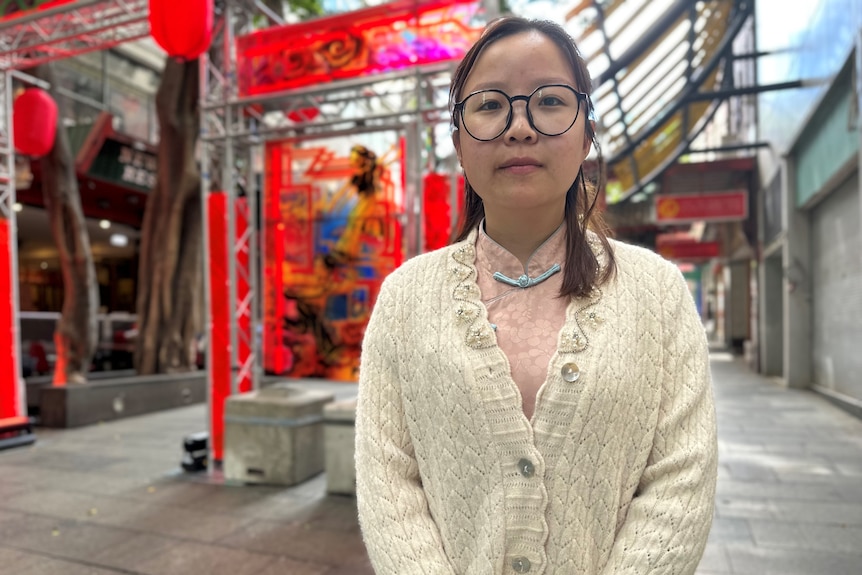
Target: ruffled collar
point(472, 315)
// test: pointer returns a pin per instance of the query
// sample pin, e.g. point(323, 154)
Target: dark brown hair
point(581, 272)
point(367, 178)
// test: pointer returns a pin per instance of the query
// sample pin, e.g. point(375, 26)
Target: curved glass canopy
point(659, 68)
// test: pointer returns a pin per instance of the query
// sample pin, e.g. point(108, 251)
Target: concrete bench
point(107, 399)
point(274, 435)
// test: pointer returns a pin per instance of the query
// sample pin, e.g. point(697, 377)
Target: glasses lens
point(485, 114)
point(554, 109)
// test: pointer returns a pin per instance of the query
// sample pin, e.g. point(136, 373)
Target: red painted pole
point(220, 312)
point(11, 384)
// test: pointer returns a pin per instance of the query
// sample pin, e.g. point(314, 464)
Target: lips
point(520, 163)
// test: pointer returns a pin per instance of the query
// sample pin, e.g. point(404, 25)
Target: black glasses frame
point(458, 110)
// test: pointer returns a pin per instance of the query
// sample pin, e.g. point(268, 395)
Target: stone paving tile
point(756, 560)
point(76, 481)
point(181, 523)
point(357, 568)
point(845, 539)
point(285, 566)
point(745, 508)
point(53, 503)
point(168, 491)
point(134, 551)
point(714, 559)
point(52, 566)
point(730, 530)
point(16, 560)
point(185, 557)
point(63, 538)
point(820, 512)
point(299, 541)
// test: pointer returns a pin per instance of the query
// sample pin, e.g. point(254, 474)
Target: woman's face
point(522, 170)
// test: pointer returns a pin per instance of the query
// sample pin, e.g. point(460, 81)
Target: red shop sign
point(689, 250)
point(713, 207)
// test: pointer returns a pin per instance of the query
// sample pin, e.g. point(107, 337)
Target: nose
point(520, 128)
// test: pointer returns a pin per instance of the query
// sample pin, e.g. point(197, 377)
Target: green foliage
point(305, 9)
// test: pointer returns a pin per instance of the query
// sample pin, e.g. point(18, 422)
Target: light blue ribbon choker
point(526, 281)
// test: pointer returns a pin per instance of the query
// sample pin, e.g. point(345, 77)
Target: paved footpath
point(110, 498)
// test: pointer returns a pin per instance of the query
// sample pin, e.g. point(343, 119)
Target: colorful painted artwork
point(332, 233)
point(382, 38)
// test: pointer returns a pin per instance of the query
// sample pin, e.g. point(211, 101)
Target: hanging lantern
point(184, 28)
point(34, 114)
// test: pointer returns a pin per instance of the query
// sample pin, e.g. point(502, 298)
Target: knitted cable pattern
point(614, 475)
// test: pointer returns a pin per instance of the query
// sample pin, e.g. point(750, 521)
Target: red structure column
point(12, 409)
point(220, 317)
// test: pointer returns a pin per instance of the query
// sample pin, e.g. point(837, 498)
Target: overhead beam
point(744, 91)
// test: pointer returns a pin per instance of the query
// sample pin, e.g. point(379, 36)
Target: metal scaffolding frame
point(234, 129)
point(69, 30)
point(40, 36)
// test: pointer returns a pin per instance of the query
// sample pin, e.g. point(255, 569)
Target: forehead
point(524, 59)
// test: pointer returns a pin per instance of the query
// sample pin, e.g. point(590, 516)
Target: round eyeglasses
point(551, 110)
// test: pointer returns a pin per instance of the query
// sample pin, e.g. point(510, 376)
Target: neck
point(521, 235)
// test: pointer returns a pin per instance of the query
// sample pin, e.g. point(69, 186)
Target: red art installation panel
point(382, 38)
point(332, 232)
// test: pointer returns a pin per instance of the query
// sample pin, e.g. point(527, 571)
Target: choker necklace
point(526, 281)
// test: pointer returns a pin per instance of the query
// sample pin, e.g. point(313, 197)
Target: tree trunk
point(76, 334)
point(169, 304)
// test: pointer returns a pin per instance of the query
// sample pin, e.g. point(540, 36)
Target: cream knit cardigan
point(614, 475)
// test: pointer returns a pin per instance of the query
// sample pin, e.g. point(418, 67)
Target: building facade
point(810, 262)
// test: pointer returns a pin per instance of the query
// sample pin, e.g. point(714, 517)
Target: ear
point(456, 141)
point(588, 141)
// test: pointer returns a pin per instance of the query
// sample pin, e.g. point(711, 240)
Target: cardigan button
point(521, 564)
point(526, 467)
point(571, 372)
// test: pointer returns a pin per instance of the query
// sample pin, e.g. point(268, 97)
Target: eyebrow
point(541, 82)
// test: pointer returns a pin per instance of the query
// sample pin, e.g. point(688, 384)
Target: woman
point(533, 398)
point(366, 221)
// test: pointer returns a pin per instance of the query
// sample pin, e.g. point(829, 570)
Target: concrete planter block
point(274, 435)
point(111, 398)
point(339, 433)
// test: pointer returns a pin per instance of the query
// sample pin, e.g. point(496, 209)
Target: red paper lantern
point(183, 28)
point(34, 114)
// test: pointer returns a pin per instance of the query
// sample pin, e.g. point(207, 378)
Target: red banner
point(388, 37)
point(713, 207)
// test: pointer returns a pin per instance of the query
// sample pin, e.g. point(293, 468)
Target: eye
point(489, 105)
point(490, 102)
point(551, 100)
